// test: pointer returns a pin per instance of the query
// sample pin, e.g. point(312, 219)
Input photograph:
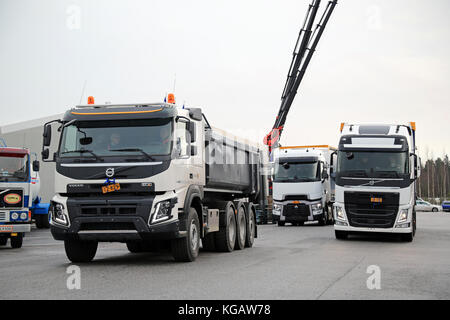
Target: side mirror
point(325, 175)
point(47, 135)
point(36, 165)
point(191, 129)
point(45, 154)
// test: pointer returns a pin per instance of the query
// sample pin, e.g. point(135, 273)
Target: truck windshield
point(146, 138)
point(13, 168)
point(372, 164)
point(296, 172)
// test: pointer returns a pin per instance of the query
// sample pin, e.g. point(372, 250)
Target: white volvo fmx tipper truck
point(376, 172)
point(151, 175)
point(302, 188)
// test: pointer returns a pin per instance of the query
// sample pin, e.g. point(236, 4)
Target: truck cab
point(375, 177)
point(302, 188)
point(137, 174)
point(19, 189)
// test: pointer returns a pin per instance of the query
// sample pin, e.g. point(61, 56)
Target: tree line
point(434, 182)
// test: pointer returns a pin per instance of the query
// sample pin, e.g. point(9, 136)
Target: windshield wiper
point(395, 173)
point(135, 150)
point(85, 151)
point(357, 173)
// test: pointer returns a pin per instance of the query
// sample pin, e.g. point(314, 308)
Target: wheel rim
point(242, 224)
point(251, 226)
point(194, 236)
point(231, 228)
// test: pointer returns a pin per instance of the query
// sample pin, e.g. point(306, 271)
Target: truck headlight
point(277, 208)
point(24, 216)
point(58, 215)
point(163, 210)
point(340, 213)
point(317, 207)
point(14, 216)
point(403, 215)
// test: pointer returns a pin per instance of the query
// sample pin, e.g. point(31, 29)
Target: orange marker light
point(91, 100)
point(342, 126)
point(413, 125)
point(171, 98)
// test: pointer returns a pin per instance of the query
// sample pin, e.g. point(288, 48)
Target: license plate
point(111, 188)
point(6, 228)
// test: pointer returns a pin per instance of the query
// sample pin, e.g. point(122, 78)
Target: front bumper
point(301, 215)
point(373, 230)
point(15, 228)
point(116, 229)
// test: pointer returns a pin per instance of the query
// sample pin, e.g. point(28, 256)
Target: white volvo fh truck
point(302, 188)
point(376, 171)
point(151, 175)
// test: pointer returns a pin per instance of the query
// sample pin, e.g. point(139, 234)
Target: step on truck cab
point(151, 175)
point(376, 172)
point(302, 188)
point(19, 195)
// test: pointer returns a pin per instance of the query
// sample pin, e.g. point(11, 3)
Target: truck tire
point(42, 221)
point(209, 243)
point(135, 246)
point(226, 236)
point(435, 210)
point(241, 227)
point(3, 241)
point(281, 223)
point(341, 235)
point(80, 251)
point(251, 226)
point(186, 249)
point(17, 241)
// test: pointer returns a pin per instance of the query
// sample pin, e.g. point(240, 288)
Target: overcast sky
point(378, 61)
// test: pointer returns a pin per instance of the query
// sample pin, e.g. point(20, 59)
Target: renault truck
point(151, 175)
point(376, 172)
point(302, 188)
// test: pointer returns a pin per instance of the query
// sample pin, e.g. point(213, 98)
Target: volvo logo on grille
point(110, 172)
point(372, 182)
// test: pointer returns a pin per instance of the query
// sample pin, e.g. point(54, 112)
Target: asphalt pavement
point(288, 262)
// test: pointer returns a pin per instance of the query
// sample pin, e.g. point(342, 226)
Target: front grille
point(108, 210)
point(301, 210)
point(2, 216)
point(362, 212)
point(90, 226)
point(296, 197)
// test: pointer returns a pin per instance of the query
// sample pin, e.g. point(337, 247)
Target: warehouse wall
point(29, 135)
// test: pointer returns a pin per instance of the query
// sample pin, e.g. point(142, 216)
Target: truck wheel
point(80, 251)
point(186, 249)
point(281, 223)
point(42, 221)
point(435, 210)
point(135, 246)
point(3, 241)
point(226, 236)
point(251, 227)
point(341, 235)
point(208, 243)
point(17, 241)
point(241, 227)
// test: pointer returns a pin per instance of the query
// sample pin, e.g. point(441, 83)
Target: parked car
point(422, 205)
point(446, 205)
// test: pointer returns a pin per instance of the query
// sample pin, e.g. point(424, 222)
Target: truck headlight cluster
point(163, 210)
point(317, 207)
point(340, 213)
point(403, 215)
point(277, 208)
point(18, 216)
point(58, 215)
